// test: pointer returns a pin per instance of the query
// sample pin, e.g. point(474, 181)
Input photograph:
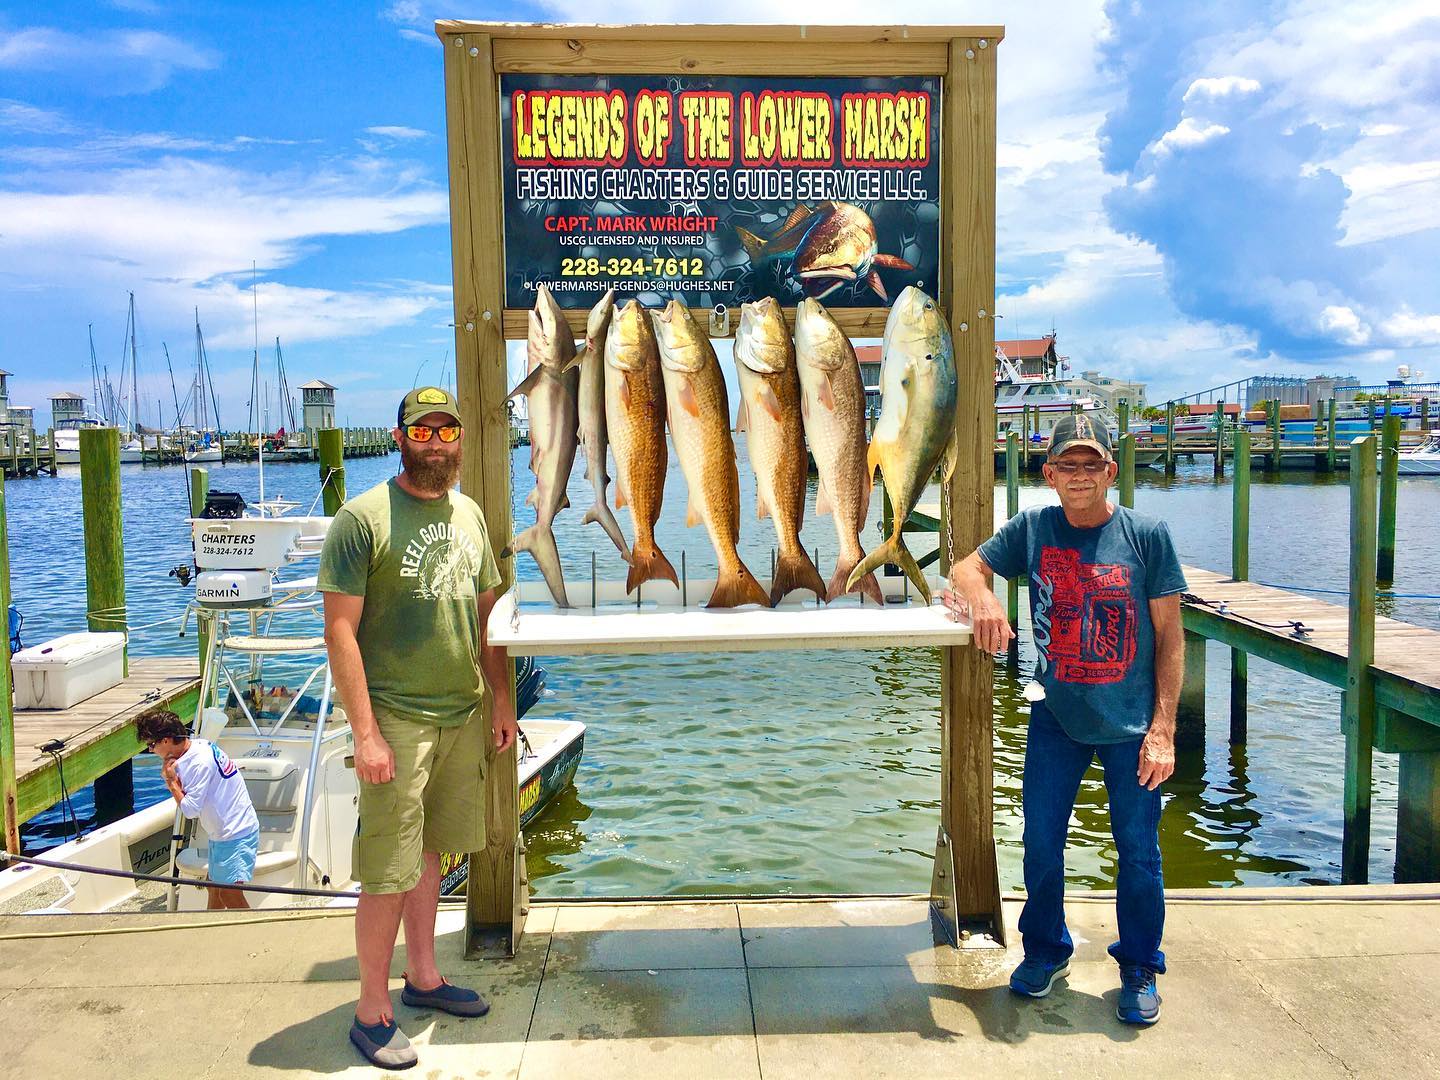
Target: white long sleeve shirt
point(214, 792)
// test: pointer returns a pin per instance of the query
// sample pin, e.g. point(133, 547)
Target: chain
point(949, 526)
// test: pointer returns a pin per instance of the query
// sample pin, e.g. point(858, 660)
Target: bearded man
point(409, 580)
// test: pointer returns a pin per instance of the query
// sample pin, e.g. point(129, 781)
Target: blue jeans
point(1054, 765)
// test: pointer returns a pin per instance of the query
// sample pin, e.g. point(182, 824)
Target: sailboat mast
point(96, 397)
point(179, 420)
point(134, 375)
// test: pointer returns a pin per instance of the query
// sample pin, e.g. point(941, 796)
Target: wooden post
point(1025, 436)
point(1220, 438)
point(1389, 493)
point(104, 542)
point(1012, 507)
point(1417, 827)
point(199, 492)
point(1170, 438)
point(1240, 571)
point(332, 468)
point(496, 900)
point(1123, 416)
point(9, 786)
point(1330, 437)
point(1275, 436)
point(966, 873)
point(1370, 414)
point(50, 443)
point(1127, 469)
point(1424, 414)
point(1190, 713)
point(1358, 700)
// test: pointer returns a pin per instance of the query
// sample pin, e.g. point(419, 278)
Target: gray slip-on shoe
point(455, 1000)
point(383, 1044)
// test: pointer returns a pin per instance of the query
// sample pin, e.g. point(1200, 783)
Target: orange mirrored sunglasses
point(422, 432)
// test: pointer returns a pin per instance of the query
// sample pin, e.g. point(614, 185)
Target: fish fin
point(625, 391)
point(565, 503)
point(795, 570)
point(688, 401)
point(649, 565)
point(799, 214)
point(872, 459)
point(867, 585)
point(527, 384)
point(540, 542)
point(894, 551)
point(951, 458)
point(805, 405)
point(891, 262)
point(742, 417)
point(621, 499)
point(737, 586)
point(769, 402)
point(600, 514)
point(753, 245)
point(873, 280)
point(532, 497)
point(827, 393)
point(762, 508)
point(692, 516)
point(823, 505)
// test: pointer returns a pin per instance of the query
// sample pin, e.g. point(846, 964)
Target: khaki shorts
point(436, 801)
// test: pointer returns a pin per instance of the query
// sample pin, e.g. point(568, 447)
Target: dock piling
point(1170, 438)
point(1330, 436)
point(1012, 507)
point(1127, 469)
point(1358, 699)
point(104, 541)
point(1190, 712)
point(1240, 571)
point(332, 468)
point(1220, 438)
point(9, 784)
point(1389, 492)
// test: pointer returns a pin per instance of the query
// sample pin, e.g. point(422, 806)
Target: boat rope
point(154, 695)
point(1297, 628)
point(53, 748)
point(166, 879)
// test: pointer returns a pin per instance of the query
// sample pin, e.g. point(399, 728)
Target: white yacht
point(1422, 460)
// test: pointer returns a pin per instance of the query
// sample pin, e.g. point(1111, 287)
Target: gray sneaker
point(383, 1044)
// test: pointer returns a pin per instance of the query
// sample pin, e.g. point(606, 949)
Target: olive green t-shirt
point(419, 564)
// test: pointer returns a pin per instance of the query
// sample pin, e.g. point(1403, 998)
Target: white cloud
point(397, 132)
point(299, 314)
point(104, 61)
point(1407, 329)
point(1220, 87)
point(404, 11)
point(1187, 134)
point(1344, 324)
point(23, 119)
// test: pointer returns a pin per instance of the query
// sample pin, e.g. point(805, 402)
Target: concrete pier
point(1306, 982)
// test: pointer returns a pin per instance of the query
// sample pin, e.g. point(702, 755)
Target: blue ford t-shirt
point(1090, 593)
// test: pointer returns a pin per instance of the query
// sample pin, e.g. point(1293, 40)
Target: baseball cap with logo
point(1079, 430)
point(424, 400)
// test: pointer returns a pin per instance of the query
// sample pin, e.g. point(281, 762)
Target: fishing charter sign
point(719, 190)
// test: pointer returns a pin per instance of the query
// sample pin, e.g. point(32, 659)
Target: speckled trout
point(552, 392)
point(917, 420)
point(594, 438)
point(770, 415)
point(699, 412)
point(833, 408)
point(635, 424)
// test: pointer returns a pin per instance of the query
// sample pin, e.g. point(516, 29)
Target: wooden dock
point(97, 736)
point(29, 456)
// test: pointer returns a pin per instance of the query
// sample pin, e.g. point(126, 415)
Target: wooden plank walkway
point(1407, 657)
point(98, 733)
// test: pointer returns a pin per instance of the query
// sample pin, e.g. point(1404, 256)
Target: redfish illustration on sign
point(829, 246)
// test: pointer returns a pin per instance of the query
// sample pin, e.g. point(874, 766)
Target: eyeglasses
point(422, 432)
point(1089, 468)
point(150, 746)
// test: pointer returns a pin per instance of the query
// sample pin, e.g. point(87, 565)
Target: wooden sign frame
point(965, 889)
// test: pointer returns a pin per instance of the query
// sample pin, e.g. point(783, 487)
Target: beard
point(427, 471)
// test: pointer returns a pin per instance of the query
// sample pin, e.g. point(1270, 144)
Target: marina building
point(317, 407)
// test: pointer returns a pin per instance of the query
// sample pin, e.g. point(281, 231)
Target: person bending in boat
point(409, 580)
point(207, 785)
point(1105, 588)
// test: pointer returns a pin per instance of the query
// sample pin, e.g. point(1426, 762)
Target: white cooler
point(63, 672)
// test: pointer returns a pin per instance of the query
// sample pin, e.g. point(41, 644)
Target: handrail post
point(1389, 492)
point(1240, 571)
point(1358, 700)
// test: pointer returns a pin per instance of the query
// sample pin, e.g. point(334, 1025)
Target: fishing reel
point(182, 573)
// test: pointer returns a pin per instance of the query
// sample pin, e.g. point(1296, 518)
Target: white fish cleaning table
point(668, 619)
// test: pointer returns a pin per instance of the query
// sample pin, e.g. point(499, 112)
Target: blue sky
point(1189, 193)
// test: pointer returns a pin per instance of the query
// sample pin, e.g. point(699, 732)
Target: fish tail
point(736, 585)
point(754, 246)
point(600, 513)
point(795, 570)
point(648, 564)
point(867, 584)
point(894, 551)
point(539, 541)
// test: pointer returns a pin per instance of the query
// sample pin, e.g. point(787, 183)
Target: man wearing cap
point(1105, 588)
point(409, 581)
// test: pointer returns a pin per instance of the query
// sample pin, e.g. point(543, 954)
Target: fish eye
point(929, 356)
